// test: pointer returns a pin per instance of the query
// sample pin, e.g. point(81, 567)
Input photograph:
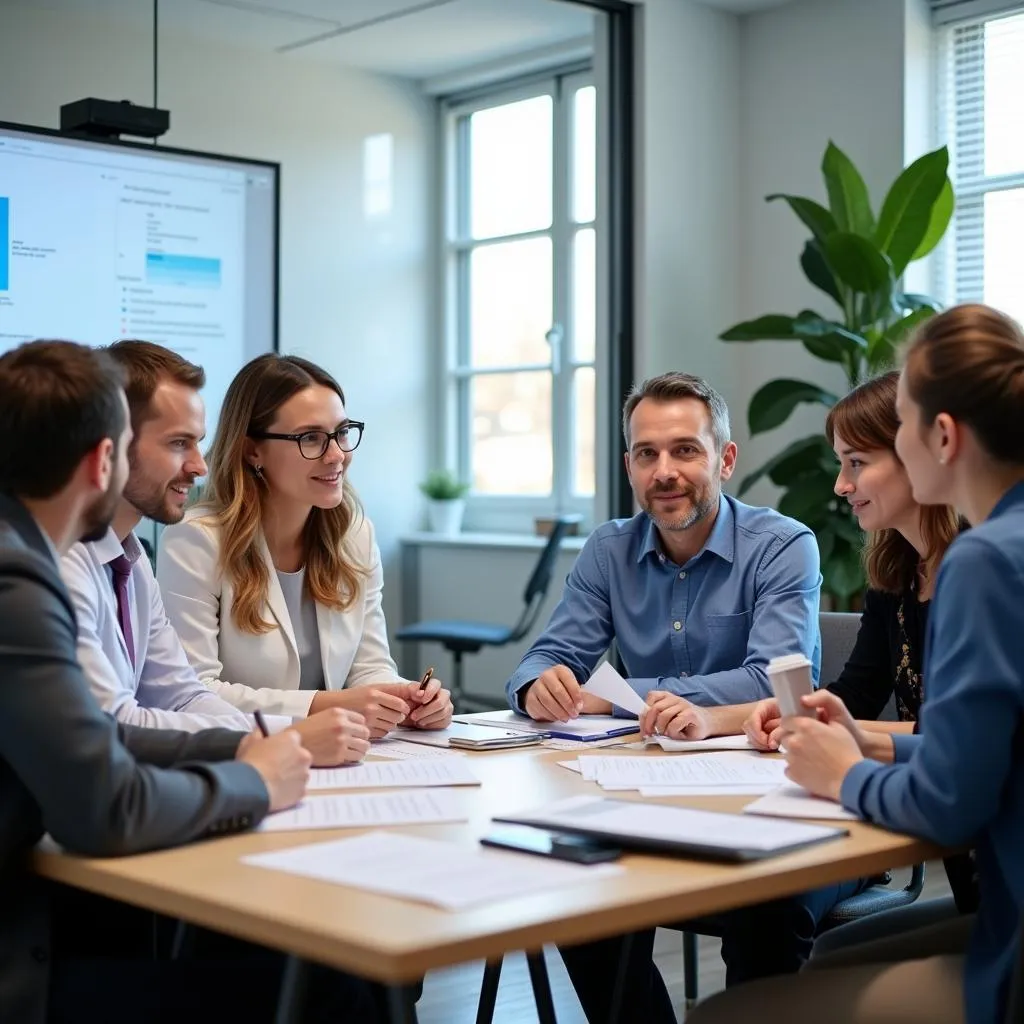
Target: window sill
point(520, 541)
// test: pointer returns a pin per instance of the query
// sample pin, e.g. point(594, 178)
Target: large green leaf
point(858, 262)
point(818, 272)
point(773, 402)
point(847, 193)
point(794, 450)
point(942, 214)
point(773, 326)
point(826, 542)
point(842, 572)
point(825, 339)
point(814, 215)
point(807, 498)
point(882, 352)
point(907, 302)
point(906, 213)
point(812, 456)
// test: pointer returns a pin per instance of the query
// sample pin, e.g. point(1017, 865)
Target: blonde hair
point(234, 496)
point(866, 419)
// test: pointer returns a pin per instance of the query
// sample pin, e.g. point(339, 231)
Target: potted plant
point(445, 501)
point(857, 261)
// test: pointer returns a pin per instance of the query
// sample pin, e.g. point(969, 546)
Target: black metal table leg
point(401, 1004)
point(489, 992)
point(621, 977)
point(541, 987)
point(292, 997)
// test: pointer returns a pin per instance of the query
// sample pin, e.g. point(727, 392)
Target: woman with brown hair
point(961, 780)
point(273, 582)
point(905, 544)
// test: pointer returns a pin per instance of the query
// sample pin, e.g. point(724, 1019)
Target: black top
point(886, 658)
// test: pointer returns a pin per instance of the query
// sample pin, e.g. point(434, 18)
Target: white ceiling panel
point(454, 36)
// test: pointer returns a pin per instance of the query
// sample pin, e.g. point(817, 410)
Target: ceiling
point(411, 38)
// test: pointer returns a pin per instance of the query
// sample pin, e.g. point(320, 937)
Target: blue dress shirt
point(705, 630)
point(961, 781)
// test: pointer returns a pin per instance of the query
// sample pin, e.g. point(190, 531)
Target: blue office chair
point(466, 637)
point(838, 635)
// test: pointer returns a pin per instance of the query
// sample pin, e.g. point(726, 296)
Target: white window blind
point(980, 118)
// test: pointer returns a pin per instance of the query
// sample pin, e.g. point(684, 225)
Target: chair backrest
point(838, 635)
point(540, 578)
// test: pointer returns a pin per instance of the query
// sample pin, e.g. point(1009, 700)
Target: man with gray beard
point(699, 591)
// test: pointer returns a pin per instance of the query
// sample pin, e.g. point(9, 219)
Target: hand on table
point(283, 764)
point(381, 710)
point(762, 724)
point(675, 717)
point(431, 708)
point(334, 736)
point(554, 696)
point(818, 754)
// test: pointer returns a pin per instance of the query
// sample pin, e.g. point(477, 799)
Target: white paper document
point(740, 789)
point(402, 750)
point(696, 746)
point(368, 810)
point(586, 725)
point(685, 827)
point(731, 768)
point(607, 684)
point(431, 771)
point(573, 766)
point(427, 870)
point(556, 744)
point(791, 801)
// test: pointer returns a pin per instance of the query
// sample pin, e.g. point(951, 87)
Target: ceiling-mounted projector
point(108, 119)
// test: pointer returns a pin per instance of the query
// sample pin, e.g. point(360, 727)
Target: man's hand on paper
point(675, 717)
point(283, 764)
point(334, 736)
point(554, 696)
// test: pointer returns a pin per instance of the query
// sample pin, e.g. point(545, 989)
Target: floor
point(450, 997)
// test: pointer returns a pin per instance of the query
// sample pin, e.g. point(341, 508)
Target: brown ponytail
point(968, 362)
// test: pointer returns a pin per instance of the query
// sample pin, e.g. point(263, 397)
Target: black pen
point(261, 723)
point(426, 679)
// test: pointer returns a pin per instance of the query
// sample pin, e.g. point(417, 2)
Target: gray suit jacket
point(66, 768)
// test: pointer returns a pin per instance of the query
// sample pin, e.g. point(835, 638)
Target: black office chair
point(463, 637)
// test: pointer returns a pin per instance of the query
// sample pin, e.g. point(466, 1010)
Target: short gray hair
point(669, 387)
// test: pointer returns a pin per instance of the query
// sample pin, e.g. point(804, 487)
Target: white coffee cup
point(790, 676)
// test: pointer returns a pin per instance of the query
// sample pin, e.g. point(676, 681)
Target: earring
point(258, 471)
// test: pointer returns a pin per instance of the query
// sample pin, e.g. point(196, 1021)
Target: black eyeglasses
point(313, 444)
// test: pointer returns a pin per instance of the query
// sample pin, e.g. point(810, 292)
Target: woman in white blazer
point(273, 582)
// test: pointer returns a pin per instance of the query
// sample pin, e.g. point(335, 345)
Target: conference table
point(395, 941)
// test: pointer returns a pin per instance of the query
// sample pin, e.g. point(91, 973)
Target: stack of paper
point(791, 801)
point(428, 871)
point(402, 750)
point(697, 775)
point(435, 771)
point(369, 810)
point(697, 746)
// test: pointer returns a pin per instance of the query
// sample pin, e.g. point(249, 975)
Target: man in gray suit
point(66, 768)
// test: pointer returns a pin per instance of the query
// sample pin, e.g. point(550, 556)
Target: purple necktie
point(122, 569)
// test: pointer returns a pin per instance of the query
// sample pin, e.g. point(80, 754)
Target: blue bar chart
point(183, 271)
point(5, 243)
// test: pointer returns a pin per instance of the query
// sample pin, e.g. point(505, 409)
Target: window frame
point(509, 512)
point(971, 183)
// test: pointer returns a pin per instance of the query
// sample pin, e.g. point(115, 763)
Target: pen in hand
point(261, 723)
point(426, 679)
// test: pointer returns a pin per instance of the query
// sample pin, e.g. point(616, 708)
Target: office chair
point(838, 635)
point(467, 637)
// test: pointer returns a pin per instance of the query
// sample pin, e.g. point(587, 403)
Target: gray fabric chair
point(838, 635)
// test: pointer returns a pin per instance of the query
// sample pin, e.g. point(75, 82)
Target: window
point(981, 93)
point(520, 324)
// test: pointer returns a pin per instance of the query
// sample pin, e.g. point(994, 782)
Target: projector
point(107, 119)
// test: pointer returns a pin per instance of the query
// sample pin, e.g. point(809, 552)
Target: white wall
point(354, 293)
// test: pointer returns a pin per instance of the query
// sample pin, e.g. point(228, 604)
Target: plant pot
point(445, 516)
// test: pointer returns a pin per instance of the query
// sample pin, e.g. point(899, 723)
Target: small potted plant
point(445, 501)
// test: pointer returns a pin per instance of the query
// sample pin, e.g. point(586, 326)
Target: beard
point(701, 504)
point(149, 498)
point(100, 515)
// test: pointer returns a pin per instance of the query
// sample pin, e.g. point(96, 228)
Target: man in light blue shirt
point(698, 591)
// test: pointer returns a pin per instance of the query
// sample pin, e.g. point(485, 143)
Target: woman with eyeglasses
point(273, 582)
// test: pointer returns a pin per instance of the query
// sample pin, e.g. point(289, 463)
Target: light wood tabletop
point(396, 941)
